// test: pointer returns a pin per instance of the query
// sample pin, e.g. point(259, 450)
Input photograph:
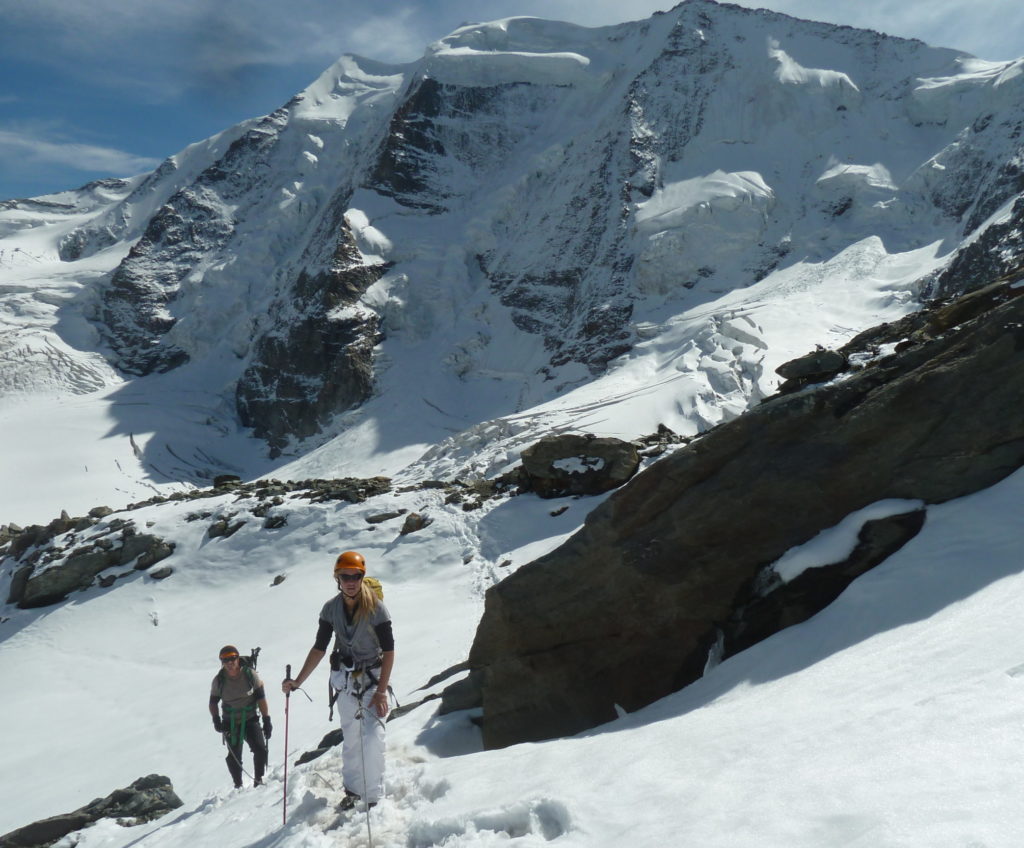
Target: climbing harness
point(353, 672)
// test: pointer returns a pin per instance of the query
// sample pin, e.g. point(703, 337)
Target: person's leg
point(372, 754)
point(258, 746)
point(234, 761)
point(351, 771)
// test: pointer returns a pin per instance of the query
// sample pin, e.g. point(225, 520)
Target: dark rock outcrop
point(146, 799)
point(815, 367)
point(197, 220)
point(782, 605)
point(329, 741)
point(414, 522)
point(317, 362)
point(626, 610)
point(46, 580)
point(571, 464)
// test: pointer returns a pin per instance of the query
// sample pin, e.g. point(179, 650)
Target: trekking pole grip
point(288, 676)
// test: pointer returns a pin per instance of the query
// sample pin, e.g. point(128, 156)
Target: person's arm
point(312, 661)
point(215, 713)
point(380, 697)
point(324, 632)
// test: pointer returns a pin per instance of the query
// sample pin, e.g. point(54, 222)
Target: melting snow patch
point(837, 543)
point(579, 464)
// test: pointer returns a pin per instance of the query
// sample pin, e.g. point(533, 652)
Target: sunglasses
point(228, 660)
point(349, 578)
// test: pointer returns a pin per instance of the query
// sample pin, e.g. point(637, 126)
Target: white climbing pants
point(362, 750)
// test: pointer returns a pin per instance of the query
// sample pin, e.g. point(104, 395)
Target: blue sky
point(96, 88)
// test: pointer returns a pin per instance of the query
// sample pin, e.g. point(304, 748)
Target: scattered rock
point(815, 367)
point(414, 522)
point(331, 740)
point(381, 517)
point(146, 799)
point(223, 528)
point(147, 548)
point(572, 464)
point(46, 580)
point(49, 585)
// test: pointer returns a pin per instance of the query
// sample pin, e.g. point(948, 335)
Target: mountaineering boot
point(348, 802)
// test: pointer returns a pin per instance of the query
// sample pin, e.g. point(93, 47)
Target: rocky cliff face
point(676, 561)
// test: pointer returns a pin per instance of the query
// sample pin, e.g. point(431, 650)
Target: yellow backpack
point(374, 584)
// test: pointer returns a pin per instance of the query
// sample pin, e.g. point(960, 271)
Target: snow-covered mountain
point(419, 270)
point(531, 206)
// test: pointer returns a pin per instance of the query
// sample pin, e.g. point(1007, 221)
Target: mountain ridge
point(617, 215)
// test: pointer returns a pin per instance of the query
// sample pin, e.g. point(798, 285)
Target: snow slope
point(892, 718)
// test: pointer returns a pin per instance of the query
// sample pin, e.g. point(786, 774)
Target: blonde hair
point(367, 602)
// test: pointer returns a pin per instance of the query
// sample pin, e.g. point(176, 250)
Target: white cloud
point(164, 47)
point(31, 149)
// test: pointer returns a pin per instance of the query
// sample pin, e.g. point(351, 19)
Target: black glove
point(218, 725)
point(267, 726)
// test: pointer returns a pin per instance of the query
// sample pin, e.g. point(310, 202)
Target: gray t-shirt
point(356, 638)
point(239, 692)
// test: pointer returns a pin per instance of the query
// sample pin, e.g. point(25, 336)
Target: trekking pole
point(287, 699)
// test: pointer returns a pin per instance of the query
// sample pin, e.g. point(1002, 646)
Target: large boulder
point(626, 610)
point(571, 464)
point(42, 585)
point(53, 583)
point(146, 799)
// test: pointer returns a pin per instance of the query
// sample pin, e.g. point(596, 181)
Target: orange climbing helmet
point(349, 560)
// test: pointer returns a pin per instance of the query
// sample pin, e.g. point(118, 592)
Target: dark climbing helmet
point(228, 652)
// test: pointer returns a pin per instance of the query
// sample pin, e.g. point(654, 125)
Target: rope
point(362, 757)
point(224, 739)
point(287, 700)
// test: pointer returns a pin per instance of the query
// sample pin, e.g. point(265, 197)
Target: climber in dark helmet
point(361, 663)
point(240, 689)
